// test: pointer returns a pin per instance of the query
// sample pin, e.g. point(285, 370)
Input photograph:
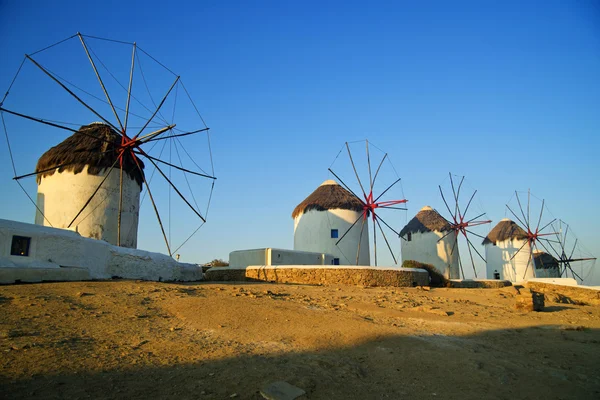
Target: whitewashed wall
point(426, 247)
point(312, 232)
point(498, 258)
point(243, 258)
point(270, 256)
point(53, 248)
point(63, 194)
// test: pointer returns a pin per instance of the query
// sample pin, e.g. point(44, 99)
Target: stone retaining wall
point(479, 283)
point(323, 276)
point(566, 294)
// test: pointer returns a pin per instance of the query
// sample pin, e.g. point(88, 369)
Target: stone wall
point(399, 277)
point(479, 283)
point(566, 294)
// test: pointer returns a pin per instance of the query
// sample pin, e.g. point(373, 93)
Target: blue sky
point(506, 93)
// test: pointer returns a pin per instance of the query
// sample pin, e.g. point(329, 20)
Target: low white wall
point(270, 256)
point(243, 258)
point(52, 248)
point(294, 257)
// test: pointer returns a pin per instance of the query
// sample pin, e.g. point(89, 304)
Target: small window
point(408, 237)
point(336, 261)
point(334, 233)
point(20, 246)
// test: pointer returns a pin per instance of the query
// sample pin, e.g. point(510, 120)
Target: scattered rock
point(140, 344)
point(281, 390)
point(433, 310)
point(572, 328)
point(16, 333)
point(82, 294)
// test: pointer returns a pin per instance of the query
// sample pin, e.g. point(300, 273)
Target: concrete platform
point(322, 275)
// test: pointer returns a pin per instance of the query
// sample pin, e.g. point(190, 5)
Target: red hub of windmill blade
point(127, 145)
point(369, 205)
point(533, 237)
point(460, 225)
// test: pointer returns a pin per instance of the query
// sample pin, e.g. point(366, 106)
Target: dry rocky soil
point(141, 340)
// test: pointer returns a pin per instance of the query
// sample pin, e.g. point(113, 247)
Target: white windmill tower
point(504, 260)
point(321, 219)
point(71, 174)
point(427, 239)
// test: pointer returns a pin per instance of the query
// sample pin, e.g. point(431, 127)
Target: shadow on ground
point(531, 363)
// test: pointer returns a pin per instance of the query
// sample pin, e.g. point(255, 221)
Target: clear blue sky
point(506, 93)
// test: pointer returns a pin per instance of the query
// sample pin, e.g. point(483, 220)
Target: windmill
point(537, 236)
point(146, 117)
point(461, 223)
point(570, 253)
point(378, 189)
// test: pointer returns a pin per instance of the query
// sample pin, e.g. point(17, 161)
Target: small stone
point(281, 390)
point(573, 328)
point(233, 395)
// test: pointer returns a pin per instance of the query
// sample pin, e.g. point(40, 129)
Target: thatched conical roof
point(505, 230)
point(329, 196)
point(81, 149)
point(426, 220)
point(543, 260)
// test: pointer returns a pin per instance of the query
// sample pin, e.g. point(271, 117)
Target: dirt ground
point(138, 340)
